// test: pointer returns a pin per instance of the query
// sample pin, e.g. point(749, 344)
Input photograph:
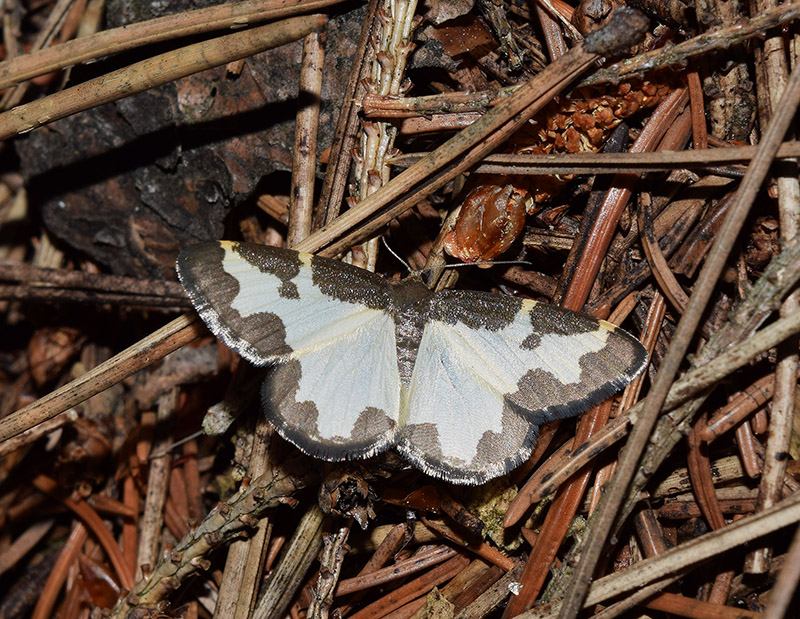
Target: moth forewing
point(571, 361)
point(334, 391)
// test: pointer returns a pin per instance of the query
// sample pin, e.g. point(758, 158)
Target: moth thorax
point(410, 312)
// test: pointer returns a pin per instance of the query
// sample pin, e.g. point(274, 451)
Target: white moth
point(458, 382)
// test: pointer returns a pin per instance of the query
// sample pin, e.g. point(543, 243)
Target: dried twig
point(464, 150)
point(154, 72)
point(159, 344)
point(287, 577)
point(689, 554)
point(331, 559)
point(222, 524)
point(238, 591)
point(680, 342)
point(772, 84)
point(116, 40)
point(305, 139)
point(703, 44)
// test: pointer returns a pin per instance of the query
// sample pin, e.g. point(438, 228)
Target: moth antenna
point(396, 255)
point(178, 443)
point(472, 264)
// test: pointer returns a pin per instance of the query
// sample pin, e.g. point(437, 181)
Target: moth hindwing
point(458, 381)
